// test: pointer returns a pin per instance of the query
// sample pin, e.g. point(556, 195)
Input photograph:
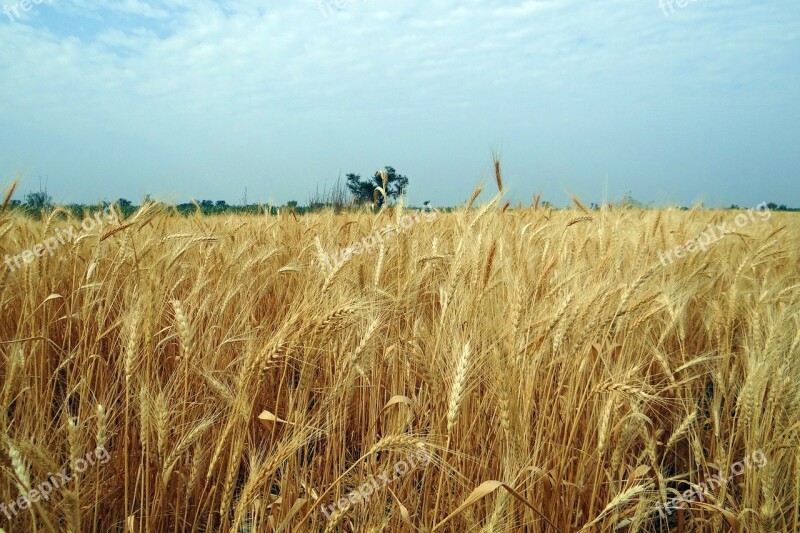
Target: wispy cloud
point(205, 88)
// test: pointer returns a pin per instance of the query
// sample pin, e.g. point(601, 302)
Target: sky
point(675, 103)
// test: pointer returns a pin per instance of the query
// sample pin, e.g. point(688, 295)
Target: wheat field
point(533, 369)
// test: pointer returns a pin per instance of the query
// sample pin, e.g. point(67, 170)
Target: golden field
point(552, 373)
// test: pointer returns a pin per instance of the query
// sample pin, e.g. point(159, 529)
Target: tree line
point(384, 186)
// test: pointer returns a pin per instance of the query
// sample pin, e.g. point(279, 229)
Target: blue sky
point(200, 99)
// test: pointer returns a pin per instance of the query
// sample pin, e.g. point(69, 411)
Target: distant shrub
point(337, 198)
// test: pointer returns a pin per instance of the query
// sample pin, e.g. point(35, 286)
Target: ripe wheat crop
point(555, 375)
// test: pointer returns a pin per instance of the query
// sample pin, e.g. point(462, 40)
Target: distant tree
point(734, 206)
point(206, 203)
point(38, 200)
point(222, 203)
point(124, 204)
point(782, 207)
point(772, 206)
point(364, 191)
point(629, 201)
point(291, 204)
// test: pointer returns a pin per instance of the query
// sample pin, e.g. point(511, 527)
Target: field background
point(547, 350)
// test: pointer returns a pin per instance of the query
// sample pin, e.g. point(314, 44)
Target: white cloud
point(176, 74)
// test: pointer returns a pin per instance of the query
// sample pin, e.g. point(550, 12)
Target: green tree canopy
point(363, 191)
point(38, 200)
